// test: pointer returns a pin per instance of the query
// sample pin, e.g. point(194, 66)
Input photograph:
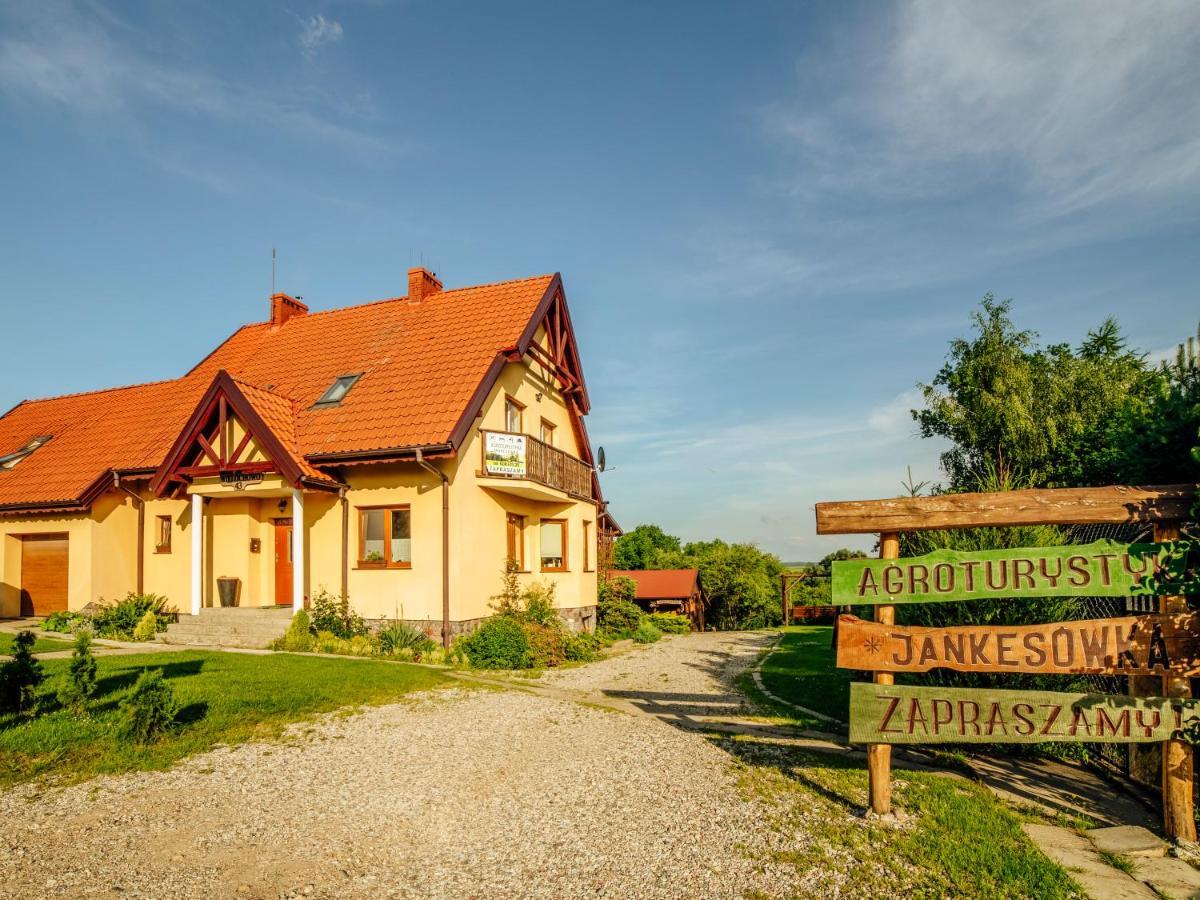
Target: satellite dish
point(601, 464)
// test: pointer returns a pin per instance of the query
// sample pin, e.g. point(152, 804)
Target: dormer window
point(11, 459)
point(338, 390)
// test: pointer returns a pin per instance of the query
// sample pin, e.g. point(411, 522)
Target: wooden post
point(879, 756)
point(1177, 763)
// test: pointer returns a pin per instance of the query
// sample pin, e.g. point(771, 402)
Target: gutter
point(141, 529)
point(385, 454)
point(429, 467)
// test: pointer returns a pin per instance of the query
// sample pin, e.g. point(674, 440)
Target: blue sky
point(770, 218)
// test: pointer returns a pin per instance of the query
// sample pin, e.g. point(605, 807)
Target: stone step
point(230, 627)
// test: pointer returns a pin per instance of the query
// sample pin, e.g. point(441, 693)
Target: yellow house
point(396, 452)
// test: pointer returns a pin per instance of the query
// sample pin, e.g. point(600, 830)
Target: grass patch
point(803, 671)
point(225, 698)
point(1116, 860)
point(8, 642)
point(959, 840)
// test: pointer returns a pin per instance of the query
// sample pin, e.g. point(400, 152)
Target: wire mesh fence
point(1119, 757)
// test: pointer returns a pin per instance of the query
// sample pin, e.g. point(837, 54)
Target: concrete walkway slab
point(1129, 840)
point(1169, 876)
point(1076, 854)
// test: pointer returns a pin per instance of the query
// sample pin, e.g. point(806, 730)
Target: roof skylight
point(338, 390)
point(8, 460)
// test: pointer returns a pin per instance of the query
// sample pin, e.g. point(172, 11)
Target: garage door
point(43, 574)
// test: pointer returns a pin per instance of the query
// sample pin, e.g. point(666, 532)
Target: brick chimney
point(283, 307)
point(421, 284)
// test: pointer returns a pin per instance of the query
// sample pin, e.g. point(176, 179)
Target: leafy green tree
point(641, 547)
point(740, 581)
point(1040, 414)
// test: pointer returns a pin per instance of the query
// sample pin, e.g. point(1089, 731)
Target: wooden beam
point(1179, 820)
point(208, 450)
point(879, 756)
point(1046, 506)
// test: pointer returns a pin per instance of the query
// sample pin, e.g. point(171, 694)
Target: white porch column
point(197, 553)
point(297, 550)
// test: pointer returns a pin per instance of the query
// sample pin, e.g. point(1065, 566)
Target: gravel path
point(462, 793)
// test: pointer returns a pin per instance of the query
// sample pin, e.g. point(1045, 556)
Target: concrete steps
point(230, 627)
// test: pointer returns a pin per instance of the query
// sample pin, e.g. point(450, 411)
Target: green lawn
point(802, 671)
point(225, 698)
point(960, 841)
point(8, 642)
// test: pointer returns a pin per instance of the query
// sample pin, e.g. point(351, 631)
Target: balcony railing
point(504, 457)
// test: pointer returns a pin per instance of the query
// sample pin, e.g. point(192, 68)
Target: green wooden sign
point(1102, 569)
point(898, 714)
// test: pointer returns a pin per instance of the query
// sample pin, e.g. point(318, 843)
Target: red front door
point(283, 562)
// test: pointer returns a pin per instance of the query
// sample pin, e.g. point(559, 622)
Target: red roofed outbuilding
point(668, 590)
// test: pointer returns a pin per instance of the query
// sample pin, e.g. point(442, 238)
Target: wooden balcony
point(506, 460)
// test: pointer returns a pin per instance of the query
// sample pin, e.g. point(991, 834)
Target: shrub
point(298, 638)
point(670, 623)
point(151, 709)
point(646, 633)
point(80, 684)
point(334, 615)
point(20, 676)
point(547, 645)
point(62, 621)
point(118, 620)
point(146, 628)
point(620, 618)
point(499, 643)
point(398, 635)
point(582, 647)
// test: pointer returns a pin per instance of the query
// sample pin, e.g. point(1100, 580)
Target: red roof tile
point(420, 364)
point(662, 584)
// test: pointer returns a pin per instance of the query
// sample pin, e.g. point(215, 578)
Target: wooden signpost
point(943, 715)
point(1130, 645)
point(1161, 649)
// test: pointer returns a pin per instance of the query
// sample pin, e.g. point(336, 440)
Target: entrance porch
point(246, 551)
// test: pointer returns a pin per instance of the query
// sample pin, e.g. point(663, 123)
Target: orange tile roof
point(421, 364)
point(662, 584)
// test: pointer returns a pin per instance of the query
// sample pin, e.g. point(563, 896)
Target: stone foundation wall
point(580, 618)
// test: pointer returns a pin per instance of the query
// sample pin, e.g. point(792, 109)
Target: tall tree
point(640, 548)
point(1041, 415)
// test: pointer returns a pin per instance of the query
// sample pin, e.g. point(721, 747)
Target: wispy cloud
point(1073, 107)
point(85, 62)
point(317, 32)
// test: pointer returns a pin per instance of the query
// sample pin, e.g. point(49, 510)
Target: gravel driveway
point(462, 793)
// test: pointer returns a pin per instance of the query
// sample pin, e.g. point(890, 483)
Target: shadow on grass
point(793, 764)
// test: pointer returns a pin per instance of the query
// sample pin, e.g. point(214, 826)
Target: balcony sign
point(896, 714)
point(504, 454)
point(1100, 569)
point(1128, 645)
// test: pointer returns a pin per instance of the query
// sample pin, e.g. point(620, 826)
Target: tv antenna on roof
point(272, 271)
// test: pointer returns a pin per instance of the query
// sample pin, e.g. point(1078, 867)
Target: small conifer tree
point(20, 676)
point(146, 627)
point(150, 709)
point(76, 692)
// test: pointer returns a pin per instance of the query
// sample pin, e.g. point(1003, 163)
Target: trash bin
point(228, 589)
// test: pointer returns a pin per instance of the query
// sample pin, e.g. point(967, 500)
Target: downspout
point(345, 542)
point(141, 530)
point(445, 544)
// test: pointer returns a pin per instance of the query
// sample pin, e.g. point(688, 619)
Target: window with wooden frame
point(162, 534)
point(552, 545)
point(547, 433)
point(384, 537)
point(587, 546)
point(514, 415)
point(516, 540)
